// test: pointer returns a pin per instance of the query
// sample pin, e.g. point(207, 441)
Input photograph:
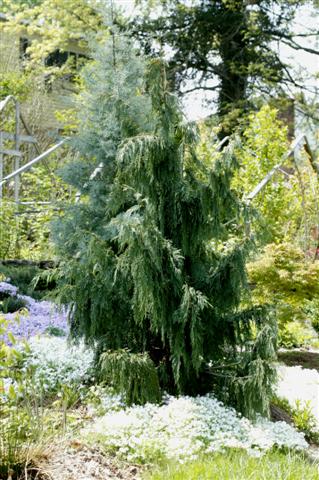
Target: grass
point(237, 465)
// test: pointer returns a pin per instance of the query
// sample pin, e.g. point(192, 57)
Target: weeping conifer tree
point(149, 260)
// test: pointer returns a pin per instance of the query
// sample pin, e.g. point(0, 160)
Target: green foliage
point(23, 235)
point(302, 416)
point(27, 279)
point(55, 331)
point(131, 374)
point(294, 335)
point(286, 208)
point(147, 262)
point(305, 420)
point(312, 310)
point(284, 277)
point(9, 241)
point(264, 144)
point(22, 423)
point(12, 304)
point(240, 466)
point(222, 46)
point(14, 83)
point(52, 25)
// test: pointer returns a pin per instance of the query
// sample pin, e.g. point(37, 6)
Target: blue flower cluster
point(36, 318)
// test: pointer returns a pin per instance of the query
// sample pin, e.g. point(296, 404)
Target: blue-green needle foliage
point(147, 261)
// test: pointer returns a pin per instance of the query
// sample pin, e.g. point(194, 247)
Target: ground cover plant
point(35, 316)
point(184, 428)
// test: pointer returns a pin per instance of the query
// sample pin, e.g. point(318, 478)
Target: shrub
point(283, 277)
point(24, 277)
point(293, 335)
point(12, 304)
point(305, 421)
point(312, 310)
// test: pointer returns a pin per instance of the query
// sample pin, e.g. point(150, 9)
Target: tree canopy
point(226, 47)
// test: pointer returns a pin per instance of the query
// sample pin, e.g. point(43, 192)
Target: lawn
point(237, 465)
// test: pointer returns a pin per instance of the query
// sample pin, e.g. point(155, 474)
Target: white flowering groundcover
point(56, 363)
point(184, 428)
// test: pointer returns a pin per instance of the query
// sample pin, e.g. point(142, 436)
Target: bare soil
point(76, 461)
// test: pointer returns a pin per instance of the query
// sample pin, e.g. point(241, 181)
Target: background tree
point(225, 46)
point(51, 25)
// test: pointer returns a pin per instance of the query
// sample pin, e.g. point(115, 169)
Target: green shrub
point(315, 324)
point(305, 421)
point(132, 374)
point(293, 335)
point(28, 279)
point(283, 277)
point(312, 311)
point(12, 304)
point(55, 331)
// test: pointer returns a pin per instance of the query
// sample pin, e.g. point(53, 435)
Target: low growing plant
point(23, 426)
point(302, 416)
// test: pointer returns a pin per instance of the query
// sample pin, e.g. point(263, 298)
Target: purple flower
point(36, 318)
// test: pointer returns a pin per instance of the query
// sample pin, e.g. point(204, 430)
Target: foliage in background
point(287, 208)
point(263, 146)
point(224, 48)
point(284, 277)
point(14, 83)
point(52, 25)
point(23, 235)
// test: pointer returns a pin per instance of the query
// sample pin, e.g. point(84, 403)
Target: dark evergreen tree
point(225, 46)
point(150, 263)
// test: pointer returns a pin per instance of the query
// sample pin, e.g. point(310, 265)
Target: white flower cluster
point(55, 362)
point(186, 427)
